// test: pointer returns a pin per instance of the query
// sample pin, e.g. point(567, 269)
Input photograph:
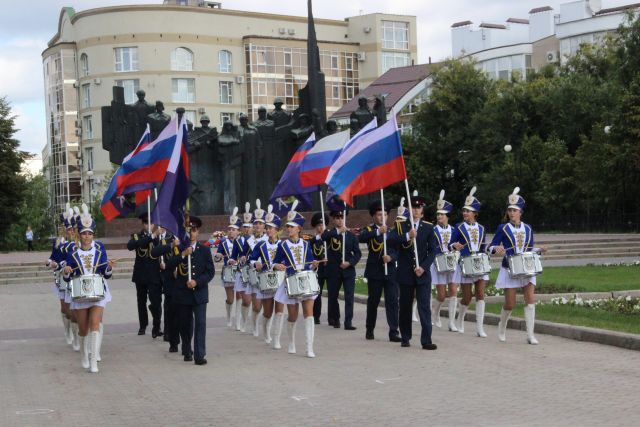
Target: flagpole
point(155, 193)
point(325, 225)
point(149, 212)
point(188, 231)
point(415, 244)
point(384, 236)
point(344, 235)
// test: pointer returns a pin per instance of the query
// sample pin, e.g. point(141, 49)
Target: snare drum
point(526, 264)
point(268, 281)
point(57, 277)
point(87, 288)
point(303, 284)
point(446, 262)
point(475, 265)
point(229, 273)
point(244, 273)
point(253, 276)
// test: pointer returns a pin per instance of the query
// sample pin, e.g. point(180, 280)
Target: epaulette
point(427, 222)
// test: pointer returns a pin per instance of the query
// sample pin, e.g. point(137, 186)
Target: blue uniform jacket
point(261, 253)
point(222, 249)
point(460, 235)
point(334, 255)
point(99, 262)
point(375, 267)
point(427, 243)
point(505, 237)
point(285, 257)
point(202, 271)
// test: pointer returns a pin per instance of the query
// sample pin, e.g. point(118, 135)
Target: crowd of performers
point(405, 260)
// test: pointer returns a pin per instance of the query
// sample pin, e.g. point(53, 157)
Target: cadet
point(162, 248)
point(318, 222)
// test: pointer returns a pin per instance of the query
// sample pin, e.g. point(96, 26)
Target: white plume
point(70, 213)
point(516, 190)
point(415, 193)
point(67, 206)
point(76, 210)
point(294, 205)
point(85, 209)
point(473, 191)
point(235, 211)
point(441, 195)
point(258, 203)
point(247, 207)
point(270, 208)
point(402, 202)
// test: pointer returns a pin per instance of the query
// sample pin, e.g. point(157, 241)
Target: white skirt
point(67, 296)
point(240, 286)
point(59, 292)
point(459, 278)
point(441, 278)
point(228, 284)
point(102, 303)
point(263, 295)
point(283, 298)
point(506, 281)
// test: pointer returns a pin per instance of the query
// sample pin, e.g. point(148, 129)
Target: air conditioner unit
point(362, 56)
point(552, 56)
point(200, 110)
point(78, 132)
point(282, 30)
point(367, 30)
point(97, 80)
point(76, 85)
point(291, 31)
point(239, 79)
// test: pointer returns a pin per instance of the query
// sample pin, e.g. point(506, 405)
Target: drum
point(446, 262)
point(244, 273)
point(229, 273)
point(87, 288)
point(57, 277)
point(526, 264)
point(303, 284)
point(475, 265)
point(268, 281)
point(253, 276)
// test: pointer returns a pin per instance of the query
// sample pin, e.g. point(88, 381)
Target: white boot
point(238, 315)
point(435, 312)
point(291, 329)
point(414, 316)
point(99, 343)
point(279, 318)
point(309, 329)
point(453, 302)
point(67, 324)
point(460, 320)
point(243, 322)
point(228, 307)
point(76, 338)
point(502, 325)
point(94, 341)
point(256, 324)
point(530, 319)
point(480, 319)
point(248, 324)
point(266, 329)
point(84, 350)
point(69, 332)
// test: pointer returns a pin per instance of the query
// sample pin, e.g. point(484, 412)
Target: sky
point(27, 26)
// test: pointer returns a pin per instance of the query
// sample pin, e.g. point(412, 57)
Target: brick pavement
point(467, 381)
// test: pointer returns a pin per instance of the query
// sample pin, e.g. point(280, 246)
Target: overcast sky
point(26, 26)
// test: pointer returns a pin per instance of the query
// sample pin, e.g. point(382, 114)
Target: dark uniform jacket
point(202, 271)
point(334, 257)
point(375, 267)
point(162, 247)
point(317, 246)
point(146, 268)
point(427, 246)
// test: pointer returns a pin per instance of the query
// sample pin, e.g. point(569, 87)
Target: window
point(261, 56)
point(335, 91)
point(131, 86)
point(86, 95)
point(126, 58)
point(182, 59)
point(288, 89)
point(393, 60)
point(191, 116)
point(183, 90)
point(224, 60)
point(405, 128)
point(87, 128)
point(287, 58)
point(334, 61)
point(395, 35)
point(84, 65)
point(88, 157)
point(226, 117)
point(348, 63)
point(226, 92)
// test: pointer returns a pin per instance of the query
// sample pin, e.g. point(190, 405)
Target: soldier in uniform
point(192, 293)
point(377, 279)
point(162, 248)
point(341, 271)
point(413, 274)
point(318, 222)
point(146, 276)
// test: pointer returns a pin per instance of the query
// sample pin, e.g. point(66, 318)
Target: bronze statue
point(230, 152)
point(158, 120)
point(205, 168)
point(119, 137)
point(361, 116)
point(332, 127)
point(279, 116)
point(142, 109)
point(380, 110)
point(252, 159)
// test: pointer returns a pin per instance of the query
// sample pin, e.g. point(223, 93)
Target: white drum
point(253, 276)
point(244, 273)
point(446, 262)
point(526, 264)
point(303, 284)
point(87, 288)
point(268, 281)
point(475, 265)
point(57, 277)
point(229, 273)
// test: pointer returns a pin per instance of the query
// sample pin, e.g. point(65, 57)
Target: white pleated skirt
point(240, 286)
point(505, 281)
point(441, 278)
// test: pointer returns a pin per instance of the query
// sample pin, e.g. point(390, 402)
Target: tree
point(11, 160)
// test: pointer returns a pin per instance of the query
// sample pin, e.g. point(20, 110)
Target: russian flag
point(317, 161)
point(368, 163)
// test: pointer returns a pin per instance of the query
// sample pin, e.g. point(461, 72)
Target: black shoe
point(429, 346)
point(369, 335)
point(349, 328)
point(394, 338)
point(331, 322)
point(316, 321)
point(166, 338)
point(188, 358)
point(173, 349)
point(201, 362)
point(156, 333)
point(336, 324)
point(405, 344)
point(142, 331)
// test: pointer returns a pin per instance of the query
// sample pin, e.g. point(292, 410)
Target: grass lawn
point(579, 316)
point(574, 279)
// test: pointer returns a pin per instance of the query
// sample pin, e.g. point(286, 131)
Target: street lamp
point(508, 148)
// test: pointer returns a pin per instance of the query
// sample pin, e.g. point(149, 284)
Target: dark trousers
point(391, 304)
point(29, 245)
point(154, 291)
point(171, 320)
point(142, 289)
point(193, 324)
point(317, 304)
point(423, 296)
point(334, 285)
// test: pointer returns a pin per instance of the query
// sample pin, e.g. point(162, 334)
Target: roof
point(618, 9)
point(540, 9)
point(518, 21)
point(461, 24)
point(496, 26)
point(395, 83)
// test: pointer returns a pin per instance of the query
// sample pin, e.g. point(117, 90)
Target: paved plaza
point(467, 381)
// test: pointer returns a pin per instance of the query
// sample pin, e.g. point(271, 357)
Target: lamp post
point(90, 181)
